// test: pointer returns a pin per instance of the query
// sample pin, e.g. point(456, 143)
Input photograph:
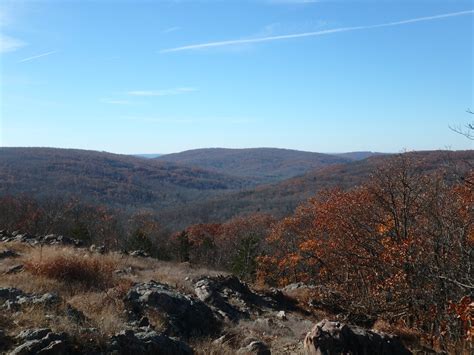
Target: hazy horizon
point(139, 77)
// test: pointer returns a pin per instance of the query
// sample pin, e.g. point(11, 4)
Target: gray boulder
point(150, 342)
point(185, 316)
point(334, 338)
point(234, 300)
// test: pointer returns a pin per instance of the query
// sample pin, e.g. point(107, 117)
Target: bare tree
point(467, 130)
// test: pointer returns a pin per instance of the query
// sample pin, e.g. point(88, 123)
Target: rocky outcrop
point(233, 299)
point(50, 239)
point(149, 342)
point(41, 341)
point(13, 298)
point(185, 316)
point(334, 338)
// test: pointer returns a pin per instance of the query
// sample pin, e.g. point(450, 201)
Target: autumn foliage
point(398, 247)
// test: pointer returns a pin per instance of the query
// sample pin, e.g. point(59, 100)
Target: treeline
point(113, 228)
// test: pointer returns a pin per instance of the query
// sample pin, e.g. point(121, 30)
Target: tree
point(467, 130)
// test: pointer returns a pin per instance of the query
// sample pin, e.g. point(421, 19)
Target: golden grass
point(73, 268)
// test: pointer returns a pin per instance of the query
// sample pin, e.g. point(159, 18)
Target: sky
point(167, 76)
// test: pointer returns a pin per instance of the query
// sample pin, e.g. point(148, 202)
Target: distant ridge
point(281, 198)
point(359, 155)
point(262, 165)
point(108, 178)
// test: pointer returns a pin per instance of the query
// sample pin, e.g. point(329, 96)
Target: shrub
point(91, 272)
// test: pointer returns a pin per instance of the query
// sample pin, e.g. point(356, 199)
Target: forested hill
point(106, 178)
point(262, 165)
point(280, 199)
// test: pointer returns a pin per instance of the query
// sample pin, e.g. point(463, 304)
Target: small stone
point(281, 315)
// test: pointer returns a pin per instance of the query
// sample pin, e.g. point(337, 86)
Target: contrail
point(313, 34)
point(37, 56)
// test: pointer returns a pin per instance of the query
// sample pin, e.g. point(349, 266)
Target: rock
point(14, 269)
point(221, 340)
point(13, 298)
point(54, 239)
point(33, 334)
point(97, 249)
point(57, 347)
point(125, 271)
point(234, 300)
point(336, 338)
point(45, 299)
point(51, 343)
point(51, 239)
point(185, 315)
point(129, 342)
point(8, 254)
point(139, 253)
point(281, 315)
point(297, 286)
point(255, 347)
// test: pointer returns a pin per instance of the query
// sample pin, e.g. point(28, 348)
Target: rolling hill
point(261, 165)
point(182, 195)
point(107, 178)
point(280, 199)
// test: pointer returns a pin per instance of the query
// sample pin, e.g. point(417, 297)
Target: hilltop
point(280, 199)
point(105, 177)
point(262, 165)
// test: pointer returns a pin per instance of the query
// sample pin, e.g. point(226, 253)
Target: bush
point(91, 272)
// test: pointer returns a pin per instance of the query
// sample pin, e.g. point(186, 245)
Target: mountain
point(107, 178)
point(280, 199)
point(261, 165)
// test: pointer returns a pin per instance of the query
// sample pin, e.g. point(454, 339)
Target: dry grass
point(88, 282)
point(74, 268)
point(208, 347)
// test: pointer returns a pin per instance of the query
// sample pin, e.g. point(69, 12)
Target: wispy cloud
point(10, 44)
point(166, 92)
point(37, 56)
point(171, 29)
point(314, 33)
point(189, 120)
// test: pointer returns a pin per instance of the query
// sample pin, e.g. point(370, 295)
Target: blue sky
point(166, 76)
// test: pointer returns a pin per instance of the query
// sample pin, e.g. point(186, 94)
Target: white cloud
point(10, 44)
point(36, 56)
point(312, 34)
point(165, 92)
